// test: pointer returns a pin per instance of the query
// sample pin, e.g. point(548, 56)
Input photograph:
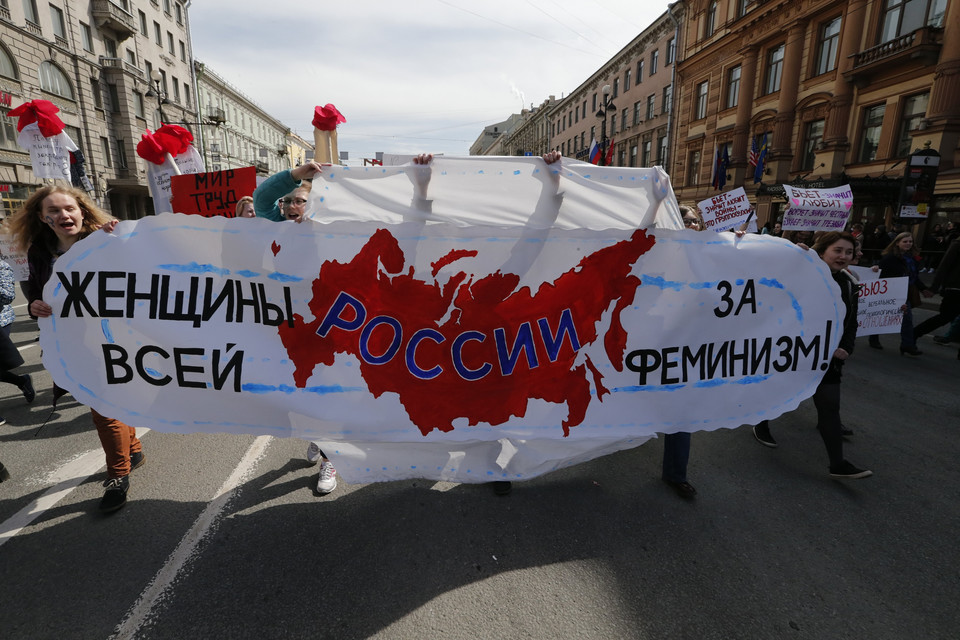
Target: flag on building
point(608, 161)
point(754, 153)
point(761, 160)
point(594, 156)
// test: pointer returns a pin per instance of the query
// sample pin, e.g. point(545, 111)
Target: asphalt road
point(224, 536)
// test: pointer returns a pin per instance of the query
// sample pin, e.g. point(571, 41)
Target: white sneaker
point(328, 478)
point(313, 453)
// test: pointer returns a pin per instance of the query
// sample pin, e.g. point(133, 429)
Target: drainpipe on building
point(675, 98)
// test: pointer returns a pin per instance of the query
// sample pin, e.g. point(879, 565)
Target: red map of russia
point(476, 349)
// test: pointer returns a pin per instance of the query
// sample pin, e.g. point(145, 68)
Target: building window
point(616, 87)
point(166, 7)
point(176, 89)
point(827, 47)
point(651, 105)
point(700, 109)
point(170, 44)
point(138, 108)
point(914, 111)
point(647, 150)
point(639, 71)
point(148, 67)
point(179, 8)
point(56, 18)
point(870, 138)
point(667, 99)
point(8, 131)
point(693, 169)
point(113, 97)
point(593, 133)
point(662, 150)
point(710, 20)
point(30, 12)
point(742, 8)
point(107, 156)
point(7, 70)
point(626, 80)
point(733, 88)
point(637, 111)
point(157, 34)
point(594, 103)
point(671, 50)
point(121, 154)
point(54, 81)
point(812, 138)
point(654, 61)
point(95, 91)
point(143, 23)
point(633, 156)
point(623, 118)
point(613, 124)
point(901, 17)
point(110, 46)
point(774, 70)
point(86, 35)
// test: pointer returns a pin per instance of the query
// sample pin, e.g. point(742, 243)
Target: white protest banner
point(49, 156)
point(880, 303)
point(726, 211)
point(817, 209)
point(159, 176)
point(464, 352)
point(864, 274)
point(14, 257)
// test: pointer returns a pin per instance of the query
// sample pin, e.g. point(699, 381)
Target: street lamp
point(605, 107)
point(156, 91)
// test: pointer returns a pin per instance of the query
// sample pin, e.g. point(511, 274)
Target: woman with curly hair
point(51, 221)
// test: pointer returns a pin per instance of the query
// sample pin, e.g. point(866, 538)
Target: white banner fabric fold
point(462, 352)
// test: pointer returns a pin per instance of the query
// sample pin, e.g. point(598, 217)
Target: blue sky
point(413, 76)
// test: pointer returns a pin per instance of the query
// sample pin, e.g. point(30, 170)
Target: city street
point(225, 537)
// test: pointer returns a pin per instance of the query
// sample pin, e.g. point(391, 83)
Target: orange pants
point(118, 440)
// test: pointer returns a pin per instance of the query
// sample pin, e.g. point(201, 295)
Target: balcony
point(115, 66)
point(919, 49)
point(107, 15)
point(262, 167)
point(215, 115)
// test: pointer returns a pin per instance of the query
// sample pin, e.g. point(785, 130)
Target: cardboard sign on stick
point(214, 193)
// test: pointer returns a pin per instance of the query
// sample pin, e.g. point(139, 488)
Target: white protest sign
point(464, 352)
point(49, 157)
point(14, 257)
point(159, 176)
point(817, 209)
point(880, 301)
point(726, 211)
point(864, 274)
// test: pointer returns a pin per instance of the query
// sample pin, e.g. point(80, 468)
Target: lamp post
point(606, 106)
point(156, 91)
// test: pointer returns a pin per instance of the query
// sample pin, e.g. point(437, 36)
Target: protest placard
point(14, 257)
point(817, 209)
point(213, 193)
point(880, 302)
point(726, 211)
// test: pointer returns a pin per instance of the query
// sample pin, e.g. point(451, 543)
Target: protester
point(900, 259)
point(836, 249)
point(51, 221)
point(283, 197)
point(245, 208)
point(947, 282)
point(10, 357)
point(691, 218)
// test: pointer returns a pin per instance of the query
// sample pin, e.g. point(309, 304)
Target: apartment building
point(111, 66)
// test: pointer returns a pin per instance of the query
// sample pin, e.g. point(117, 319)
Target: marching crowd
point(54, 218)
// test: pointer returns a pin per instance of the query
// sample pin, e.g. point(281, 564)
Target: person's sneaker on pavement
point(313, 453)
point(328, 478)
point(847, 470)
point(116, 494)
point(137, 459)
point(762, 433)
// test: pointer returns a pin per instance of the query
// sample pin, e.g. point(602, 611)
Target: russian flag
point(594, 152)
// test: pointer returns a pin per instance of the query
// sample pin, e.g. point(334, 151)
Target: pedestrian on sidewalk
point(947, 282)
point(900, 259)
point(10, 357)
point(51, 221)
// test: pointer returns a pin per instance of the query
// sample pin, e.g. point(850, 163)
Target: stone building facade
point(94, 59)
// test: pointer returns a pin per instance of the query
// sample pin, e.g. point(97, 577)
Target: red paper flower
point(43, 112)
point(169, 138)
point(327, 118)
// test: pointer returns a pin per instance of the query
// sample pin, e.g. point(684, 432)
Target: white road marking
point(74, 473)
point(162, 583)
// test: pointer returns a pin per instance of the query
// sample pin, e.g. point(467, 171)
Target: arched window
point(7, 70)
point(53, 80)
